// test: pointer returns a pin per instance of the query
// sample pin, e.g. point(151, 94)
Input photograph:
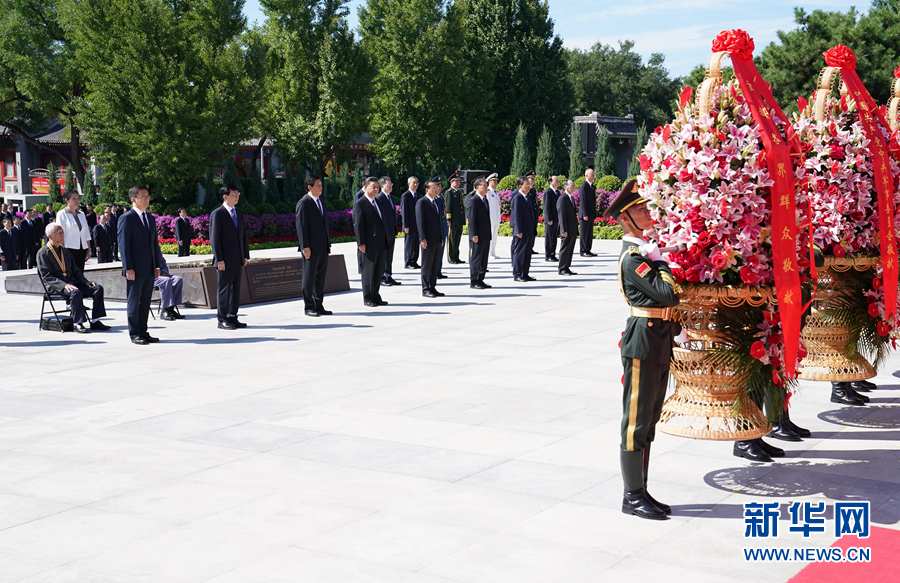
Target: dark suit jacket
point(19, 236)
point(428, 222)
point(550, 198)
point(479, 216)
point(520, 217)
point(229, 244)
point(312, 226)
point(9, 245)
point(359, 194)
point(52, 274)
point(369, 227)
point(388, 213)
point(183, 231)
point(587, 201)
point(138, 249)
point(568, 218)
point(114, 222)
point(100, 238)
point(91, 218)
point(408, 202)
point(38, 230)
point(46, 216)
point(27, 237)
point(531, 197)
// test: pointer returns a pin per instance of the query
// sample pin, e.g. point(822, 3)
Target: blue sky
point(680, 29)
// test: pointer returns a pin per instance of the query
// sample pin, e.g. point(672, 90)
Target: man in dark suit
point(445, 228)
point(29, 251)
point(47, 215)
point(372, 242)
point(389, 213)
point(19, 236)
point(568, 222)
point(361, 193)
point(9, 247)
point(101, 240)
point(114, 227)
point(57, 268)
point(478, 215)
point(410, 229)
point(315, 244)
point(141, 259)
point(456, 218)
point(531, 197)
point(522, 221)
point(551, 220)
point(90, 216)
point(587, 212)
point(231, 252)
point(431, 237)
point(183, 233)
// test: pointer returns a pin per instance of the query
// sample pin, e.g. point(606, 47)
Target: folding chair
point(49, 296)
point(156, 297)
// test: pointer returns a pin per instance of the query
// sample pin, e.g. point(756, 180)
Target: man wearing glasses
point(141, 259)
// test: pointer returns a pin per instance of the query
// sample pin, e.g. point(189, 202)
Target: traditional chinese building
point(622, 134)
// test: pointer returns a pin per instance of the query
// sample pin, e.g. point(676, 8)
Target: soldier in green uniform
point(649, 288)
point(456, 217)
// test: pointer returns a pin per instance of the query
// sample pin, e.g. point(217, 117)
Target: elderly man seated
point(170, 287)
point(57, 268)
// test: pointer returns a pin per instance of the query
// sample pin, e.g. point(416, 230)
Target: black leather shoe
point(381, 302)
point(841, 393)
point(150, 339)
point(591, 254)
point(178, 315)
point(324, 312)
point(861, 397)
point(751, 451)
point(394, 281)
point(167, 315)
point(486, 286)
point(529, 278)
point(585, 255)
point(786, 421)
point(664, 507)
point(226, 325)
point(637, 503)
point(478, 286)
point(533, 252)
point(522, 279)
point(312, 313)
point(238, 324)
point(370, 304)
point(437, 293)
point(409, 267)
point(549, 259)
point(768, 448)
point(441, 276)
point(99, 326)
point(428, 294)
point(82, 329)
point(139, 340)
point(864, 386)
point(784, 433)
point(416, 266)
point(555, 258)
point(386, 282)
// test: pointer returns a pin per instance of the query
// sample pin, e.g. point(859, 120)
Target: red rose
point(775, 338)
point(695, 145)
point(821, 185)
point(806, 147)
point(837, 152)
point(684, 175)
point(737, 42)
point(678, 274)
point(833, 191)
point(692, 275)
point(838, 250)
point(873, 310)
point(703, 239)
point(719, 260)
point(870, 300)
point(747, 276)
point(840, 57)
point(775, 361)
point(757, 350)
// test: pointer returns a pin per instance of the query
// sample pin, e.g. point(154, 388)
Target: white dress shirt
point(74, 238)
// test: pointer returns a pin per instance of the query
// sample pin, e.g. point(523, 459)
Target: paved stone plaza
point(471, 438)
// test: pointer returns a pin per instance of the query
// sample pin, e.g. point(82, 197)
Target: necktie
point(375, 204)
point(234, 218)
point(319, 204)
point(146, 223)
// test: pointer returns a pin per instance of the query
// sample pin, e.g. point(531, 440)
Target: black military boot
point(664, 507)
point(860, 396)
point(841, 393)
point(635, 501)
point(786, 421)
point(769, 449)
point(783, 432)
point(863, 386)
point(751, 450)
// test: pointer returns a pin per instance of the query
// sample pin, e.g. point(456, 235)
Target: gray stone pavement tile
point(176, 425)
point(259, 437)
point(536, 479)
point(645, 569)
point(277, 471)
point(79, 573)
point(304, 566)
point(507, 559)
point(15, 510)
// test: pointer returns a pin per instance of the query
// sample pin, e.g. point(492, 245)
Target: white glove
point(682, 336)
point(651, 251)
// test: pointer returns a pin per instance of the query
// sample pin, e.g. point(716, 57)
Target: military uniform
point(646, 349)
point(456, 218)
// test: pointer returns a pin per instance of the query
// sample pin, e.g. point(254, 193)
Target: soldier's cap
point(492, 177)
point(436, 178)
point(454, 176)
point(530, 174)
point(627, 198)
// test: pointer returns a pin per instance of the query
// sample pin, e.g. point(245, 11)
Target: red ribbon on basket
point(777, 146)
point(844, 59)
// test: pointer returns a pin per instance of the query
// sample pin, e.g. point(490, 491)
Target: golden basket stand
point(825, 359)
point(702, 406)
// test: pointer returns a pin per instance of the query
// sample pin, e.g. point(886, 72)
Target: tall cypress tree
point(544, 163)
point(272, 196)
point(90, 189)
point(642, 136)
point(70, 179)
point(54, 196)
point(577, 165)
point(520, 160)
point(231, 176)
point(257, 191)
point(605, 159)
point(290, 190)
point(211, 196)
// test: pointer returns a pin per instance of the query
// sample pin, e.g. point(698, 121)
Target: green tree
point(318, 80)
point(617, 82)
point(290, 189)
point(210, 193)
point(41, 78)
point(54, 195)
point(518, 46)
point(70, 179)
point(642, 136)
point(577, 165)
point(256, 193)
point(174, 86)
point(521, 161)
point(272, 195)
point(544, 163)
point(231, 177)
point(605, 157)
point(89, 195)
point(420, 107)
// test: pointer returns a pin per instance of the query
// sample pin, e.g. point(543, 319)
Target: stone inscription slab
point(274, 280)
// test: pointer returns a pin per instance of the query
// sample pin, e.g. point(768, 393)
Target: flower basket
point(825, 341)
point(707, 402)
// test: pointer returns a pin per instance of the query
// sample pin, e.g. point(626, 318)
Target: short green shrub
point(508, 183)
point(610, 183)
